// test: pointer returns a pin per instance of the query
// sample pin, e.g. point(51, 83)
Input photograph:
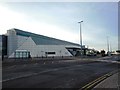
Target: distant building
point(3, 46)
point(22, 44)
point(0, 46)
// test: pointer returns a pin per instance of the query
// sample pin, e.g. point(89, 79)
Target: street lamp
point(108, 46)
point(80, 36)
point(42, 53)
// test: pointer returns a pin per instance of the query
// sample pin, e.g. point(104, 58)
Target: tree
point(102, 53)
point(97, 52)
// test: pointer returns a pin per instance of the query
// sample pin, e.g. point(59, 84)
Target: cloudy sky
point(60, 20)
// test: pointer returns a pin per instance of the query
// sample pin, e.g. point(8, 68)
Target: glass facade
point(43, 40)
point(4, 45)
point(22, 54)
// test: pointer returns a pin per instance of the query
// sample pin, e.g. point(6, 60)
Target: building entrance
point(22, 54)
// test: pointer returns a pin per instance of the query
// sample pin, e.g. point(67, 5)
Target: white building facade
point(20, 43)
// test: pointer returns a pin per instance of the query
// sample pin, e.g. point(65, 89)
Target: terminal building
point(22, 44)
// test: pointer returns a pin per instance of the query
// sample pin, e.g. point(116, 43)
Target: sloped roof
point(43, 40)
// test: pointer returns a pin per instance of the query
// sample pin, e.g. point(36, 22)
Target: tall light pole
point(108, 46)
point(80, 36)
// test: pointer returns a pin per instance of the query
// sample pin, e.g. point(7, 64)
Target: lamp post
point(108, 46)
point(80, 36)
point(42, 53)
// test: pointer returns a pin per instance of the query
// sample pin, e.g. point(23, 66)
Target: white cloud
point(59, 0)
point(10, 19)
point(94, 36)
point(51, 31)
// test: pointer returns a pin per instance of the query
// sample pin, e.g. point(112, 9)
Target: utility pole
point(108, 46)
point(81, 37)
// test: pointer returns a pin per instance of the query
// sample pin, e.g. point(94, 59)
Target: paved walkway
point(111, 82)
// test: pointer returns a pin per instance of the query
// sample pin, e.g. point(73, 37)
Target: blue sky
point(60, 20)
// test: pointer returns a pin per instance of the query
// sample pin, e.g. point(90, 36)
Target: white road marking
point(111, 61)
point(27, 75)
point(10, 67)
point(36, 64)
point(16, 77)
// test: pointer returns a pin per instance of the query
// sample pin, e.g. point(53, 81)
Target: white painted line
point(10, 67)
point(111, 61)
point(16, 77)
point(27, 75)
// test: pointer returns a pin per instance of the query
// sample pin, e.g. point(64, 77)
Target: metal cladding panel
point(30, 46)
point(40, 50)
point(38, 45)
point(12, 42)
point(59, 50)
point(21, 40)
point(43, 40)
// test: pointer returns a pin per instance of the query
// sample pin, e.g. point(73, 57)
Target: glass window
point(50, 52)
point(24, 54)
point(17, 54)
point(20, 54)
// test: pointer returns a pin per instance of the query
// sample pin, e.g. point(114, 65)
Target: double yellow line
point(95, 82)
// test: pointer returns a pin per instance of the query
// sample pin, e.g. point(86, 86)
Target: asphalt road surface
point(51, 74)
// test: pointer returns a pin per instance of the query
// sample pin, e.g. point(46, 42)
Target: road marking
point(27, 75)
point(110, 61)
point(10, 67)
point(91, 85)
point(93, 81)
point(16, 77)
point(96, 81)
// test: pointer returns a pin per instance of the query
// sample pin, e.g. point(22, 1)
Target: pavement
point(111, 82)
point(11, 62)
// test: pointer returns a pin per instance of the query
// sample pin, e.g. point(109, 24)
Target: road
point(55, 74)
